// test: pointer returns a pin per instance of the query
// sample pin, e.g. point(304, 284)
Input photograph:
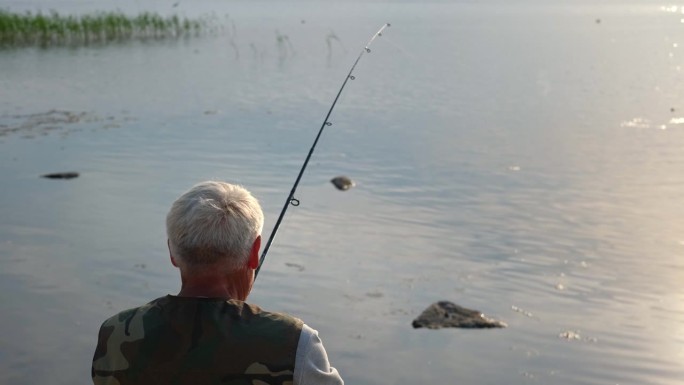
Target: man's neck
point(200, 292)
point(214, 285)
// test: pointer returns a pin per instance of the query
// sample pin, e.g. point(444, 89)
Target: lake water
point(522, 158)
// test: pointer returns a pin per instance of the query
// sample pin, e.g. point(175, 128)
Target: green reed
point(25, 29)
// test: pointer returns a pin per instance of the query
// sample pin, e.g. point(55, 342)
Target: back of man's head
point(214, 222)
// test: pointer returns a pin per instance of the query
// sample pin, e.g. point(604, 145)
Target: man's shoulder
point(250, 311)
point(230, 309)
point(125, 316)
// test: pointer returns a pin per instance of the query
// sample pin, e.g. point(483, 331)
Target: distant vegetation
point(38, 29)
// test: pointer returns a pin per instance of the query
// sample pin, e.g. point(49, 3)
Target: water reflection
point(542, 192)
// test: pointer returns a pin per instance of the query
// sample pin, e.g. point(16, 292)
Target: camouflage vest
point(198, 341)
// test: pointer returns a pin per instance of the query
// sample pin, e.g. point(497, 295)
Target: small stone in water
point(61, 175)
point(343, 183)
point(447, 314)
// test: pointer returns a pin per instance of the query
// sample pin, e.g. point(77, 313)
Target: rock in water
point(343, 183)
point(445, 314)
point(61, 175)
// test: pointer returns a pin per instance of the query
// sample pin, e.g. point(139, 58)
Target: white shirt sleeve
point(311, 363)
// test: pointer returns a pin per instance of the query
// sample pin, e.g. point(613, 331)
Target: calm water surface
point(521, 159)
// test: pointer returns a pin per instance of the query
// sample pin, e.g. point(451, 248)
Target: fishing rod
point(291, 200)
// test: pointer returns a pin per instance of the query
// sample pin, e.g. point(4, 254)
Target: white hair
point(214, 222)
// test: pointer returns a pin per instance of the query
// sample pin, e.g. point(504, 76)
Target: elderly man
point(207, 334)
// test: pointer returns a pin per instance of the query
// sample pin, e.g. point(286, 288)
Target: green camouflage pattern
point(179, 340)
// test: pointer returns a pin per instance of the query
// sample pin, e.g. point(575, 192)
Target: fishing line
point(291, 200)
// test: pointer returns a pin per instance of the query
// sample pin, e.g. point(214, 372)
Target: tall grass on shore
point(40, 29)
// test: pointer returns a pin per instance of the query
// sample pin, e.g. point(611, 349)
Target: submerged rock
point(61, 175)
point(56, 121)
point(445, 314)
point(343, 183)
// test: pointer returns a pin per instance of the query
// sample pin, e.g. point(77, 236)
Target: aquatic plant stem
point(291, 200)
